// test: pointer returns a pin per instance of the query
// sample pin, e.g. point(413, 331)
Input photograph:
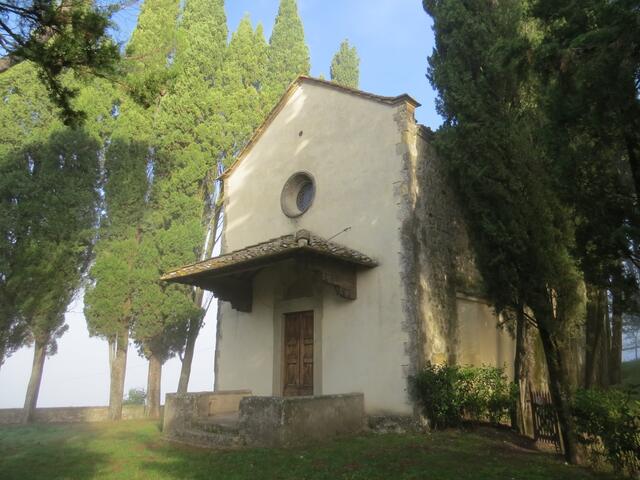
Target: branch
point(529, 318)
point(16, 37)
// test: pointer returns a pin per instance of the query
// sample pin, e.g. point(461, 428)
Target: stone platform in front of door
point(235, 419)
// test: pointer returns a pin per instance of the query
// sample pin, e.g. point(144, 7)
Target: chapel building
point(345, 263)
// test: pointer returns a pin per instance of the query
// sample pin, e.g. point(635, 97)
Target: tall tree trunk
point(560, 394)
point(615, 363)
point(187, 358)
point(196, 324)
point(31, 398)
point(520, 372)
point(597, 338)
point(152, 409)
point(634, 161)
point(118, 367)
point(1, 355)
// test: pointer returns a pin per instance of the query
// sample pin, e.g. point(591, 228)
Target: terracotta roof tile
point(301, 241)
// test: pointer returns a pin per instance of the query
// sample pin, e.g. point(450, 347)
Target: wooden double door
point(298, 354)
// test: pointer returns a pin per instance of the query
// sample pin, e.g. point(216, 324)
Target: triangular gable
point(289, 92)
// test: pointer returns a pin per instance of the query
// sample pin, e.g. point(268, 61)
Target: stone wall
point(445, 265)
point(459, 326)
point(292, 421)
point(181, 410)
point(261, 421)
point(13, 416)
point(445, 289)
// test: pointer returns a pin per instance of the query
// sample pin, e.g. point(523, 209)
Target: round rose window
point(298, 194)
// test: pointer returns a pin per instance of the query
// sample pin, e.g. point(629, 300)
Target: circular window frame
point(291, 190)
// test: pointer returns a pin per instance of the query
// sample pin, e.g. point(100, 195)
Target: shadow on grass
point(444, 456)
point(36, 453)
point(136, 450)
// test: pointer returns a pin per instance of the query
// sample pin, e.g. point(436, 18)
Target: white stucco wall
point(246, 343)
point(349, 144)
point(481, 341)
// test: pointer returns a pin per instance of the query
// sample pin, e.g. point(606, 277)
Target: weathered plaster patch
point(406, 194)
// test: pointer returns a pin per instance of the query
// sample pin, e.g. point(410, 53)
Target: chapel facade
point(345, 264)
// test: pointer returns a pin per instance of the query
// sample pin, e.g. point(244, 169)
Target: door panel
point(298, 354)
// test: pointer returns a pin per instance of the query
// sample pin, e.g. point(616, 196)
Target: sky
point(393, 39)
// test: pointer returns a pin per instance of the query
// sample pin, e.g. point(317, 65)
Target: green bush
point(486, 394)
point(434, 388)
point(450, 394)
point(608, 423)
point(136, 396)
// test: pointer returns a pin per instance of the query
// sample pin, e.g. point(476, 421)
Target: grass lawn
point(135, 450)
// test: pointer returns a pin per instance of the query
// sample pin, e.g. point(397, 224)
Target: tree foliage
point(55, 197)
point(108, 298)
point(243, 79)
point(492, 139)
point(588, 63)
point(22, 116)
point(121, 272)
point(540, 101)
point(58, 37)
point(186, 106)
point(345, 66)
point(589, 57)
point(288, 52)
point(214, 105)
point(48, 189)
point(184, 168)
point(48, 182)
point(150, 51)
point(135, 396)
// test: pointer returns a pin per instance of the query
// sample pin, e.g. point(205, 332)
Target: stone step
point(216, 425)
point(201, 438)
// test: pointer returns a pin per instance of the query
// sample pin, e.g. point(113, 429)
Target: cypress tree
point(23, 118)
point(116, 275)
point(493, 141)
point(108, 298)
point(288, 52)
point(185, 168)
point(150, 51)
point(240, 93)
point(48, 192)
point(588, 59)
point(243, 79)
point(345, 66)
point(230, 104)
point(61, 172)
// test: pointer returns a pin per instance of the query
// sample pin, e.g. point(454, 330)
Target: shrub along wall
point(608, 424)
point(13, 416)
point(450, 394)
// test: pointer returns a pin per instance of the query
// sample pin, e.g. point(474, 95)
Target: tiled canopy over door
point(298, 353)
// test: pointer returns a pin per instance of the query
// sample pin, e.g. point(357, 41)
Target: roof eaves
point(276, 247)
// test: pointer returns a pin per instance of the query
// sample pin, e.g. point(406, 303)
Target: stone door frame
point(281, 308)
